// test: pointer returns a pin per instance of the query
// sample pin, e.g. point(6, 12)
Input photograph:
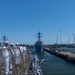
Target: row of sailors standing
point(15, 49)
point(36, 65)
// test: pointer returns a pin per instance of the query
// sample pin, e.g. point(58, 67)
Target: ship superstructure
point(38, 44)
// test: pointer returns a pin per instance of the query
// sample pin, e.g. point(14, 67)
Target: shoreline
point(66, 55)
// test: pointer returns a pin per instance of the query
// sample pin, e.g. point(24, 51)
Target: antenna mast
point(74, 38)
point(57, 39)
point(39, 36)
point(4, 38)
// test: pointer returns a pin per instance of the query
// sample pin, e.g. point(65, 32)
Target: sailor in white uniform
point(24, 51)
point(6, 56)
point(12, 45)
point(38, 72)
point(21, 51)
point(17, 53)
point(24, 47)
point(21, 48)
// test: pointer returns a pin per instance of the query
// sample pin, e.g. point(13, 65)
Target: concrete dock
point(67, 55)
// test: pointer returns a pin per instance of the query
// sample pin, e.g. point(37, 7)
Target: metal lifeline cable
point(21, 62)
point(14, 69)
point(0, 69)
point(26, 61)
point(13, 63)
point(1, 73)
point(25, 65)
point(28, 58)
point(20, 65)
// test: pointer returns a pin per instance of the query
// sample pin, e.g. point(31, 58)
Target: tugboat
point(38, 45)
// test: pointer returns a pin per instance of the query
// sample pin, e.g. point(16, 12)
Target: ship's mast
point(4, 38)
point(39, 36)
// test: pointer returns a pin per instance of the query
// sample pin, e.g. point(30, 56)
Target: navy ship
point(38, 45)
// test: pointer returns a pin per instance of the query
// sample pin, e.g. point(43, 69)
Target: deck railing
point(22, 67)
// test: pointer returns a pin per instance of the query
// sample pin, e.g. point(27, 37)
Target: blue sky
point(20, 20)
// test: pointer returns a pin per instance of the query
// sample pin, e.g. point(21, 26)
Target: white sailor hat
point(6, 42)
point(17, 43)
point(12, 44)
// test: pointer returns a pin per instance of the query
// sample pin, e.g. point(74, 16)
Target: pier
point(69, 56)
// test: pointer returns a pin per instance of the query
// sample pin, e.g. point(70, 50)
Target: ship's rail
point(35, 68)
point(18, 69)
point(29, 65)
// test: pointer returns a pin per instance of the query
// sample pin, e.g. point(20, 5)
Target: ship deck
point(28, 67)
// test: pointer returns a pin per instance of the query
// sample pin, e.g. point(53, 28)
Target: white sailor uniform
point(24, 49)
point(11, 55)
point(6, 56)
point(17, 54)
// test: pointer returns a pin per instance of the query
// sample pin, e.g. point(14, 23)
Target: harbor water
point(55, 65)
point(68, 49)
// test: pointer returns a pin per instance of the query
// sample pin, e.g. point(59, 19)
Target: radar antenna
point(39, 36)
point(4, 38)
